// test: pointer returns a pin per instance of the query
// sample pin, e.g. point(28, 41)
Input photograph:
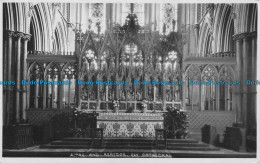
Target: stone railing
point(214, 55)
point(222, 55)
point(42, 53)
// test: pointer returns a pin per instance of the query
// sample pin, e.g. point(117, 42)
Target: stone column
point(44, 95)
point(157, 17)
point(77, 86)
point(9, 118)
point(114, 9)
point(116, 77)
point(152, 16)
point(164, 94)
point(26, 38)
point(238, 78)
point(244, 78)
point(53, 92)
point(107, 106)
point(251, 89)
point(200, 98)
point(146, 13)
point(217, 89)
point(118, 13)
point(60, 93)
point(254, 65)
point(36, 94)
point(98, 94)
point(108, 16)
point(5, 64)
point(18, 35)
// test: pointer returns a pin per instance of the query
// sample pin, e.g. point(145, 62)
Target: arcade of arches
point(128, 42)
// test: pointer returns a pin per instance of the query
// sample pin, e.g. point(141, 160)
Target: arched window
point(69, 74)
point(52, 75)
point(192, 90)
point(168, 18)
point(209, 90)
point(97, 17)
point(225, 96)
point(36, 90)
point(138, 9)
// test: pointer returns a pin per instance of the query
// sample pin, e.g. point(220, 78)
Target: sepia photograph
point(129, 80)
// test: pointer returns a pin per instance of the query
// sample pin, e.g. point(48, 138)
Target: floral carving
point(143, 128)
point(116, 128)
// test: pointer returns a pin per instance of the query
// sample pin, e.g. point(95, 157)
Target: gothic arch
point(32, 66)
point(245, 18)
point(226, 72)
point(223, 29)
point(204, 34)
point(193, 72)
point(49, 66)
point(89, 44)
point(108, 44)
point(22, 17)
point(209, 73)
point(67, 65)
point(15, 16)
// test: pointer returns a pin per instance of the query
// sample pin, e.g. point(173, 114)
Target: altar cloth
point(130, 124)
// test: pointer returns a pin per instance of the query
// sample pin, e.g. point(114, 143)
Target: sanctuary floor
point(126, 148)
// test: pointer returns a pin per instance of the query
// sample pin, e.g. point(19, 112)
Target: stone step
point(129, 143)
point(180, 147)
point(132, 140)
point(176, 154)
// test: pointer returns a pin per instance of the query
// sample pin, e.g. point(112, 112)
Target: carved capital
point(10, 33)
point(196, 26)
point(18, 35)
point(26, 37)
point(70, 25)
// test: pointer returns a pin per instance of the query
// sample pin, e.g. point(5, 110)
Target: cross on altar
point(132, 8)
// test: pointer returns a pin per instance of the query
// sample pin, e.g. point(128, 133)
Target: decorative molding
point(130, 124)
point(18, 35)
point(244, 35)
point(26, 37)
point(10, 33)
point(30, 12)
point(70, 25)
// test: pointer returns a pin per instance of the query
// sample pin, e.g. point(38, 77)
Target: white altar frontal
point(130, 124)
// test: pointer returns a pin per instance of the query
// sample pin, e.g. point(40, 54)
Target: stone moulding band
point(130, 117)
point(130, 114)
point(104, 118)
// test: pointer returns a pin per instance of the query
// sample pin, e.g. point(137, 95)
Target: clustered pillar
point(245, 95)
point(15, 65)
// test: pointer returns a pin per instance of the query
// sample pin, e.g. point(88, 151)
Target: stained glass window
point(138, 10)
point(168, 16)
point(97, 17)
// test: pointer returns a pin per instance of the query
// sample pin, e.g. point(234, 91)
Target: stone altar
point(130, 124)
